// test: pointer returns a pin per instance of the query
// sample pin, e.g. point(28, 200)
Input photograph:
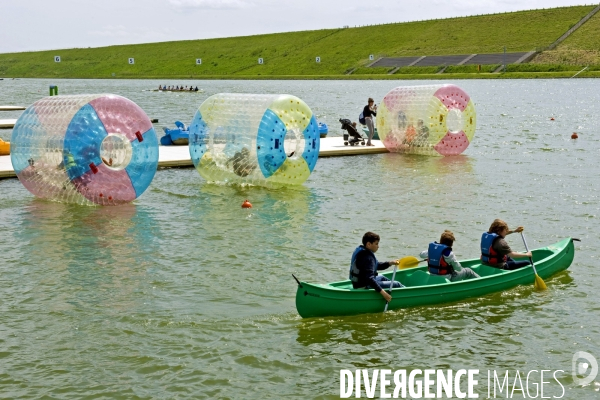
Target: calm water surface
point(183, 294)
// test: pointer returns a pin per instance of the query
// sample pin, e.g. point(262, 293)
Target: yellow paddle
point(409, 262)
point(539, 282)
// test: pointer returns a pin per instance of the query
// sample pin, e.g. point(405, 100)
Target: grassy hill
point(581, 48)
point(293, 54)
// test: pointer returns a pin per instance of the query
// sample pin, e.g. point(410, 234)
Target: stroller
point(356, 137)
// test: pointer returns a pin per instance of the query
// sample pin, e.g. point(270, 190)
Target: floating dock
point(10, 123)
point(179, 156)
point(7, 123)
point(12, 108)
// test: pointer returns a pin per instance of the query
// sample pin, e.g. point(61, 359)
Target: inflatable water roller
point(258, 139)
point(434, 120)
point(85, 149)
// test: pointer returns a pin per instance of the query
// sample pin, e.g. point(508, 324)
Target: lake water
point(184, 294)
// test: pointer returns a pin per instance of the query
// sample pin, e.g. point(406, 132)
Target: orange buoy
point(246, 204)
point(574, 135)
point(551, 118)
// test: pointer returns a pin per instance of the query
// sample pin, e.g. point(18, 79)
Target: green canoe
point(339, 298)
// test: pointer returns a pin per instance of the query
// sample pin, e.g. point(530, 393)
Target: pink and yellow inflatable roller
point(436, 120)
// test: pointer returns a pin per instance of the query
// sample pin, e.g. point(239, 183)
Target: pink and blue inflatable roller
point(85, 149)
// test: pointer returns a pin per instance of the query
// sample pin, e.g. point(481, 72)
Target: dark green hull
point(339, 298)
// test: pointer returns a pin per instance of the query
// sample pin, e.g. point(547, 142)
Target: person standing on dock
point(495, 252)
point(364, 267)
point(369, 112)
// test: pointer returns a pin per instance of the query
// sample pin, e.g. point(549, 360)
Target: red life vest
point(436, 264)
point(488, 254)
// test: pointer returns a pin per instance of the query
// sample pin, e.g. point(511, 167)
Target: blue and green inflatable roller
point(257, 139)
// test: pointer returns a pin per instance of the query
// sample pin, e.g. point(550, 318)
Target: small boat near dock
point(178, 136)
point(323, 129)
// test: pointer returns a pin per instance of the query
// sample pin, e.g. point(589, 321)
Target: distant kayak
point(424, 289)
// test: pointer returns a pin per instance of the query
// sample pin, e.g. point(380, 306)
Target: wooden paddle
point(538, 282)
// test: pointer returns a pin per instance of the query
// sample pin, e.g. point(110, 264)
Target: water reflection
point(365, 330)
point(277, 214)
point(218, 239)
point(477, 317)
point(458, 166)
point(95, 254)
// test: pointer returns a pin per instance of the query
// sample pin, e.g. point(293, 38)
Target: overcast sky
point(28, 25)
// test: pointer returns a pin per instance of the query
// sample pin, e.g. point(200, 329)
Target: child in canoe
point(442, 261)
point(495, 252)
point(364, 267)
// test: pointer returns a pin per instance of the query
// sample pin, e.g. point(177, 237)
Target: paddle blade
point(408, 262)
point(539, 283)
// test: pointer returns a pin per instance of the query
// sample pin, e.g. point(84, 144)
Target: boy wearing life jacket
point(364, 267)
point(442, 261)
point(495, 252)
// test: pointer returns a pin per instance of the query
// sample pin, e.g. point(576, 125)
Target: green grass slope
point(580, 48)
point(293, 54)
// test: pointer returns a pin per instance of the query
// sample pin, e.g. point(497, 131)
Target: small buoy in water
point(246, 204)
point(551, 118)
point(574, 135)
